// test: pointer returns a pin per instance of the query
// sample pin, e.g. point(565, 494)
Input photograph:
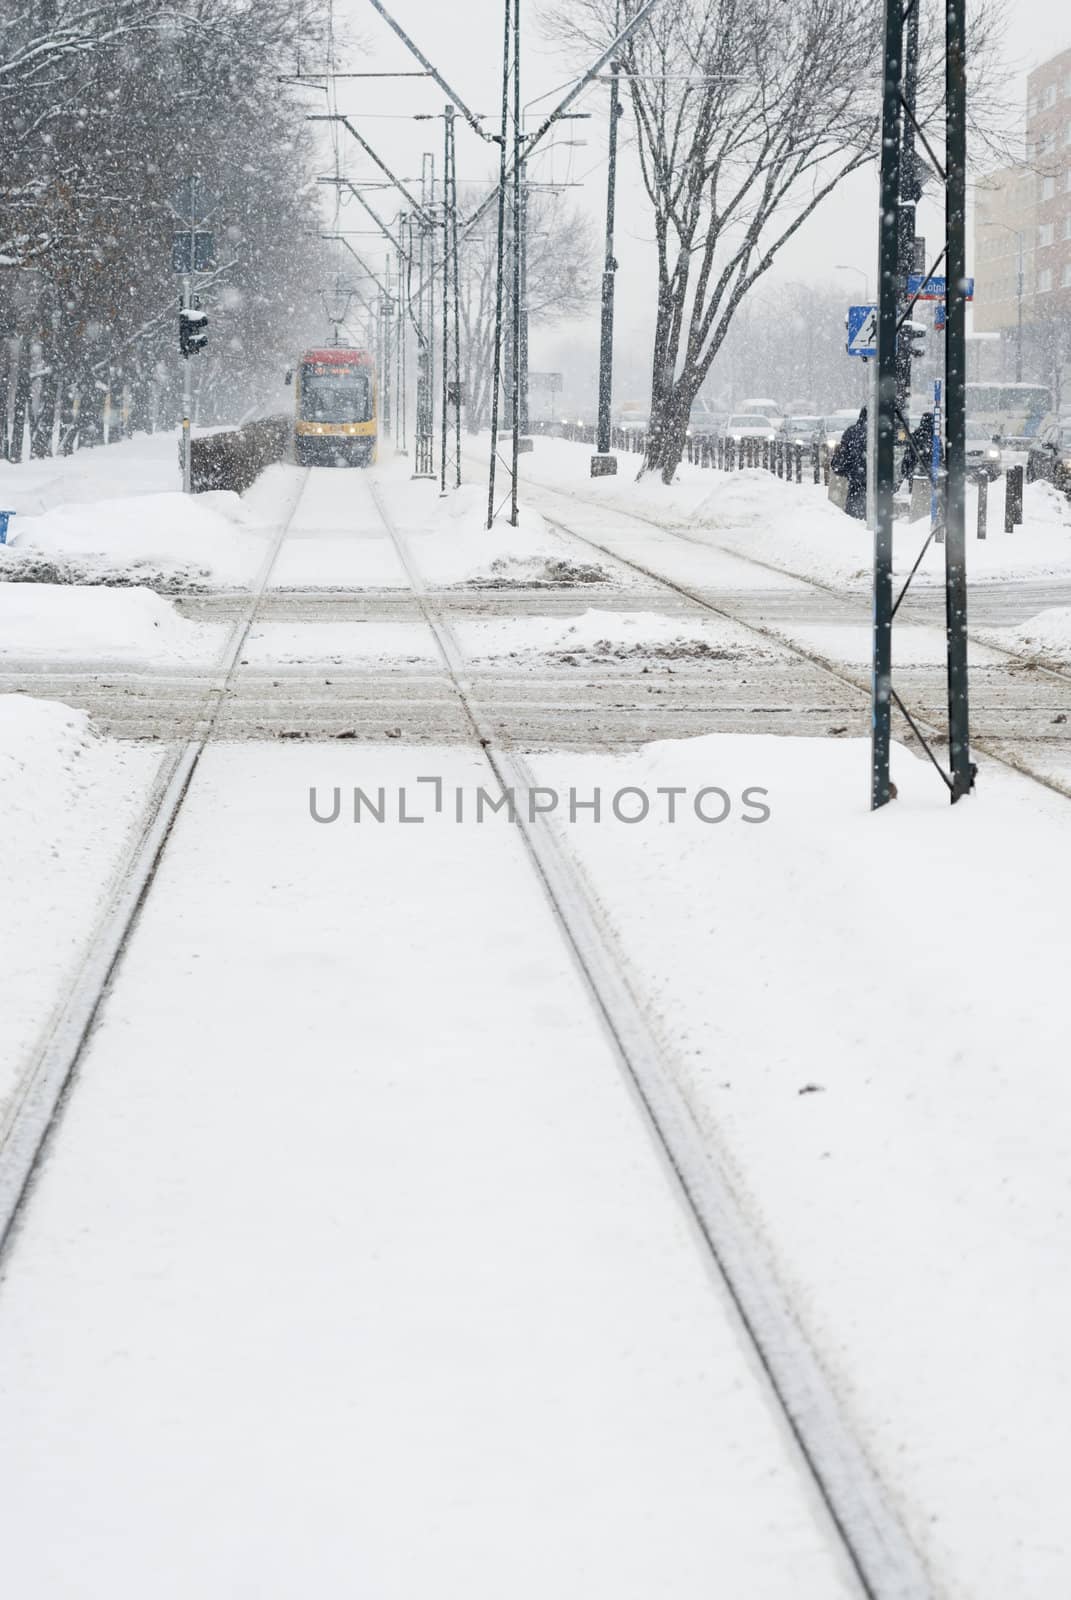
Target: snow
point(69, 802)
point(456, 546)
point(795, 527)
point(1047, 635)
point(183, 541)
point(292, 644)
point(606, 635)
point(863, 1013)
point(404, 1299)
point(69, 621)
point(853, 645)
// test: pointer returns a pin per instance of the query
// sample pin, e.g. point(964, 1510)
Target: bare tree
point(561, 258)
point(747, 115)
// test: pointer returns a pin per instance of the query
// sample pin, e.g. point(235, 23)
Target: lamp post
point(603, 462)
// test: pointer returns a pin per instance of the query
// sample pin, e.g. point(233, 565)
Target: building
point(1022, 238)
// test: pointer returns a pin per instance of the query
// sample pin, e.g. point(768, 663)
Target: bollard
point(5, 517)
point(816, 462)
point(799, 463)
point(825, 463)
point(1013, 498)
point(730, 450)
point(779, 453)
point(983, 505)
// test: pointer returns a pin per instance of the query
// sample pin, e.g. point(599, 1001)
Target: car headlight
point(993, 454)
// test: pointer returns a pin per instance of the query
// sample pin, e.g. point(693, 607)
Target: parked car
point(749, 425)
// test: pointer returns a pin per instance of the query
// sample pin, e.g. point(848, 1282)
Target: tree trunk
point(5, 390)
point(21, 407)
point(45, 421)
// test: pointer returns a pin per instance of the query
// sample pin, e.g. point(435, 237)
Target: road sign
point(934, 288)
point(862, 330)
point(551, 381)
point(193, 252)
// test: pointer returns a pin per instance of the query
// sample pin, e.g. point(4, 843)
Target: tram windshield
point(337, 396)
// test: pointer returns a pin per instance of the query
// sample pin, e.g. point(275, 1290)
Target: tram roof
point(339, 356)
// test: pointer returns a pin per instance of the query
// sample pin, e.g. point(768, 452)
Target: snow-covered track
point(33, 1110)
point(862, 1516)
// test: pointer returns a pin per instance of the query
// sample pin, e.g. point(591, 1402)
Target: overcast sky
point(465, 43)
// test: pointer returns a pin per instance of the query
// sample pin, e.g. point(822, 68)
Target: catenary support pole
point(603, 462)
point(518, 169)
point(962, 771)
point(888, 302)
point(496, 373)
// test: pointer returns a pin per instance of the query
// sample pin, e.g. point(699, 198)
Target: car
point(834, 426)
point(1050, 458)
point(763, 407)
point(983, 453)
point(801, 430)
point(749, 425)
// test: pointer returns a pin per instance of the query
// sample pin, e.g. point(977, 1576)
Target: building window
point(1065, 278)
point(1067, 133)
point(1045, 281)
point(1048, 188)
point(1067, 227)
point(1047, 143)
point(1049, 97)
point(1046, 234)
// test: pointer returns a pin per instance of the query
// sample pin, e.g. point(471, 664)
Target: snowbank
point(864, 1015)
point(796, 528)
point(170, 541)
point(608, 636)
point(1048, 635)
point(69, 802)
point(454, 546)
point(64, 621)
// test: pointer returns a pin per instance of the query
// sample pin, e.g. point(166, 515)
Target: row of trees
point(105, 108)
point(747, 116)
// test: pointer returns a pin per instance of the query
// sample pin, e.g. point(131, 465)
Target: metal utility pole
point(496, 374)
point(604, 463)
point(424, 462)
point(400, 443)
point(451, 310)
point(518, 163)
point(895, 307)
point(962, 771)
point(910, 194)
point(888, 306)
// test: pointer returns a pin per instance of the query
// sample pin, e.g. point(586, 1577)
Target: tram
point(335, 420)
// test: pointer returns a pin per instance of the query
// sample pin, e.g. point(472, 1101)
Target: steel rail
point(863, 1520)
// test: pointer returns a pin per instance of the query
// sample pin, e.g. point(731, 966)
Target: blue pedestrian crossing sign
point(862, 330)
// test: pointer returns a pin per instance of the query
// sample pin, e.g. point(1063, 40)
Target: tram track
point(856, 682)
point(36, 1105)
point(862, 1517)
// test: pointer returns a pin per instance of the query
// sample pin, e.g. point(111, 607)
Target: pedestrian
point(918, 456)
point(849, 461)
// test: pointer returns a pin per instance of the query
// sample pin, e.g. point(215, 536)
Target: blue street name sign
point(862, 330)
point(934, 288)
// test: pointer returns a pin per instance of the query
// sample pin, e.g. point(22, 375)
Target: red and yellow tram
point(336, 422)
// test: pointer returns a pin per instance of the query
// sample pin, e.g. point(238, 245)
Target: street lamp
point(841, 266)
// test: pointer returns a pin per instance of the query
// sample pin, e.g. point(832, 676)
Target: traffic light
point(914, 337)
point(193, 330)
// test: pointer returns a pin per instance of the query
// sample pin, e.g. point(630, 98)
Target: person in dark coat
point(849, 461)
point(918, 457)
